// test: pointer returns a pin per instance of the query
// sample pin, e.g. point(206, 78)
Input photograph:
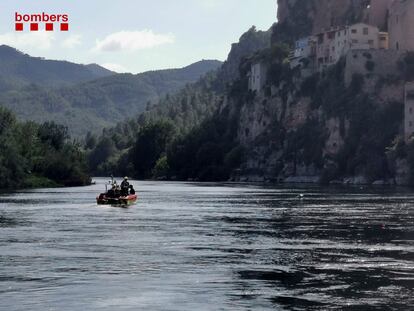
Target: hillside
point(341, 124)
point(93, 105)
point(185, 109)
point(18, 69)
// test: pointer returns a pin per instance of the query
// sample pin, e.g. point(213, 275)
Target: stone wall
point(375, 63)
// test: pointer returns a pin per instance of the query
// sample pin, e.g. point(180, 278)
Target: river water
point(188, 246)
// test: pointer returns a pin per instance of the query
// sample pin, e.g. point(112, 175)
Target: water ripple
point(189, 246)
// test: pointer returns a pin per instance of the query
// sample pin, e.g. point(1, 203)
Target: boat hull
point(121, 201)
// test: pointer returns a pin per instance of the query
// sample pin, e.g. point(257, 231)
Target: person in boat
point(131, 189)
point(118, 191)
point(111, 192)
point(125, 187)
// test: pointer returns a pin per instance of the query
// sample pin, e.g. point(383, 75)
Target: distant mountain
point(18, 69)
point(99, 71)
point(89, 105)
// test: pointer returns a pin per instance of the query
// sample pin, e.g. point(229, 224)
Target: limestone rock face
point(325, 14)
point(249, 43)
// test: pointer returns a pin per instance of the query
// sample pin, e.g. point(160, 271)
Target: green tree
point(161, 168)
point(149, 146)
point(53, 134)
point(102, 152)
point(33, 155)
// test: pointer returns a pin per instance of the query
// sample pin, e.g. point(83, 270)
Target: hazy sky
point(137, 35)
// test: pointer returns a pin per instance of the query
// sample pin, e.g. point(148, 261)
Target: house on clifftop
point(326, 48)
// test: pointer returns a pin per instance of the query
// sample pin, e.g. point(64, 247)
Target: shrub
point(370, 65)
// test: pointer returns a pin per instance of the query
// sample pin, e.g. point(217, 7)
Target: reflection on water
point(208, 247)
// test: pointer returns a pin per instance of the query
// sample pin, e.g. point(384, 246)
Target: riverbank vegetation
point(33, 155)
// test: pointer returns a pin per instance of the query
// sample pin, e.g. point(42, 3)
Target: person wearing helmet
point(124, 187)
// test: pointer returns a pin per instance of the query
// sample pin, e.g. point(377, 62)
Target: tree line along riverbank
point(38, 155)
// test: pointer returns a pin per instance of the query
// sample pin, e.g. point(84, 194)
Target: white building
point(304, 47)
point(356, 37)
point(328, 47)
point(304, 52)
point(324, 42)
point(257, 77)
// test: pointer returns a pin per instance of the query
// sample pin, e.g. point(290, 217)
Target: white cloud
point(72, 41)
point(132, 41)
point(41, 40)
point(115, 67)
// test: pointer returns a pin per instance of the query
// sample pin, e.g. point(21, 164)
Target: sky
point(136, 35)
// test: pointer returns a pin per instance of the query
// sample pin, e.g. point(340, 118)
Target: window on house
point(397, 46)
point(410, 124)
point(371, 42)
point(366, 31)
point(354, 41)
point(354, 31)
point(411, 110)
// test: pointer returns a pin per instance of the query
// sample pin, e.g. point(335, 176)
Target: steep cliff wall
point(330, 127)
point(323, 14)
point(249, 43)
point(343, 125)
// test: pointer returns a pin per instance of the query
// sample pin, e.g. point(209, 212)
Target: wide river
point(189, 246)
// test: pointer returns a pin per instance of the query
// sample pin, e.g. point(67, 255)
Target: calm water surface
point(208, 247)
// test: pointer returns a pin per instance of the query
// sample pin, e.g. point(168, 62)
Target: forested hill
point(118, 149)
point(93, 105)
point(342, 125)
point(18, 69)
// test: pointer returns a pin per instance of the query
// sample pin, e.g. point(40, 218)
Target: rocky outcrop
point(323, 14)
point(249, 43)
point(294, 136)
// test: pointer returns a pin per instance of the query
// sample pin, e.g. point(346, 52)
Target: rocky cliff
point(342, 125)
point(330, 127)
point(318, 15)
point(249, 43)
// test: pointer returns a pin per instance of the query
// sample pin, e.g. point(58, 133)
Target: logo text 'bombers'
point(48, 21)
